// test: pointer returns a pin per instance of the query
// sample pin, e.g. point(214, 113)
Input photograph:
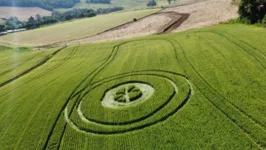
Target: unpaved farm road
point(159, 22)
point(175, 19)
point(206, 13)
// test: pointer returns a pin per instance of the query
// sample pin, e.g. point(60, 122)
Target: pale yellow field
point(23, 13)
point(73, 30)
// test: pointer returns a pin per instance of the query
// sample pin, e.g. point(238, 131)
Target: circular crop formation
point(127, 94)
point(128, 102)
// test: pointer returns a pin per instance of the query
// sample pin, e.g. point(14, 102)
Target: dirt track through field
point(176, 24)
point(206, 13)
point(175, 19)
point(157, 23)
point(42, 62)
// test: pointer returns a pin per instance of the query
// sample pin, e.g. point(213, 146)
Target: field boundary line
point(31, 69)
point(72, 95)
point(255, 120)
point(19, 64)
point(228, 102)
point(42, 74)
point(238, 45)
point(245, 132)
point(239, 109)
point(254, 48)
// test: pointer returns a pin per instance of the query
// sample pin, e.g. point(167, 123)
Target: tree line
point(252, 11)
point(45, 4)
point(48, 4)
point(37, 21)
point(99, 1)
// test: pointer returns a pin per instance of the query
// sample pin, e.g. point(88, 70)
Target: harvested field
point(23, 13)
point(156, 23)
point(72, 30)
point(206, 13)
point(196, 15)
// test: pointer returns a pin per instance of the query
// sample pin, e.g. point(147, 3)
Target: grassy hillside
point(76, 29)
point(209, 93)
point(14, 61)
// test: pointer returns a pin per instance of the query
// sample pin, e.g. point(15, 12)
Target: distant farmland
point(76, 29)
point(199, 89)
point(128, 4)
point(23, 13)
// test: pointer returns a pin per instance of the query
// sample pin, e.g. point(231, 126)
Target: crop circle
point(130, 95)
point(127, 95)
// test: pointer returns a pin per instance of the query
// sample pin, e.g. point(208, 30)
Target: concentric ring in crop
point(172, 92)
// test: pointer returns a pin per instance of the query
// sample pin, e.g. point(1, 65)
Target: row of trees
point(252, 11)
point(11, 24)
point(45, 4)
point(154, 3)
point(99, 1)
point(108, 10)
point(37, 21)
point(151, 3)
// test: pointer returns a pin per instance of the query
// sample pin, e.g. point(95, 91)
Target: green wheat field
point(199, 89)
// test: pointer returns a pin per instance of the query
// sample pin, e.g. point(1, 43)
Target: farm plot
point(158, 23)
point(193, 13)
point(16, 62)
point(76, 29)
point(22, 13)
point(201, 89)
point(129, 4)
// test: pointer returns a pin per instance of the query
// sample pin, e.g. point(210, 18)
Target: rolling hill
point(72, 30)
point(199, 89)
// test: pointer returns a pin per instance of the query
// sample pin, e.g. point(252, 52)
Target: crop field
point(128, 4)
point(14, 61)
point(76, 29)
point(22, 13)
point(200, 89)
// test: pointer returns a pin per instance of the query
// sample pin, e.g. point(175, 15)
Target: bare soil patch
point(23, 13)
point(159, 22)
point(174, 19)
point(206, 13)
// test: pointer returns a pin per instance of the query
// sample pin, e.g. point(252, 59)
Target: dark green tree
point(13, 23)
point(152, 3)
point(2, 28)
point(99, 1)
point(252, 11)
point(46, 4)
point(31, 23)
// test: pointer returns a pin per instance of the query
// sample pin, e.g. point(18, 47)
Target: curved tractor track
point(67, 58)
point(176, 19)
point(87, 85)
point(246, 123)
point(17, 65)
point(31, 69)
point(157, 23)
point(175, 23)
